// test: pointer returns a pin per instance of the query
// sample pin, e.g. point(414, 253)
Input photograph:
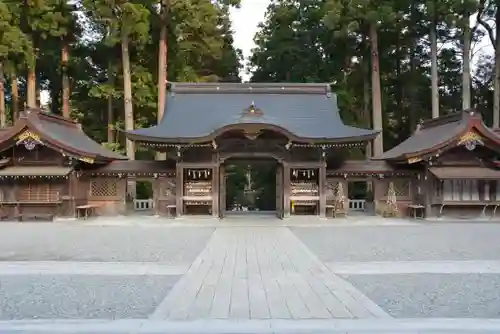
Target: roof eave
point(208, 138)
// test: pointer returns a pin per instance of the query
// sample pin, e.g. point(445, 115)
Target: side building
point(456, 157)
point(44, 169)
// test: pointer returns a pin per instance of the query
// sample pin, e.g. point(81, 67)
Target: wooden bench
point(415, 209)
point(484, 204)
point(26, 210)
point(171, 208)
point(35, 216)
point(4, 214)
point(87, 209)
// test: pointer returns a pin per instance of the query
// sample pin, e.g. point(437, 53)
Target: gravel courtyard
point(269, 276)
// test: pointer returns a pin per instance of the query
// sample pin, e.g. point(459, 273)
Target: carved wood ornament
point(414, 160)
point(471, 140)
point(252, 111)
point(29, 139)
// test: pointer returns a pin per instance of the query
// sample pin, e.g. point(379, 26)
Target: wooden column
point(427, 192)
point(179, 189)
point(286, 190)
point(215, 189)
point(322, 190)
point(279, 191)
point(222, 190)
point(156, 195)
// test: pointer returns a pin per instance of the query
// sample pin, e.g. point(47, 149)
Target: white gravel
point(60, 242)
point(427, 242)
point(90, 297)
point(433, 295)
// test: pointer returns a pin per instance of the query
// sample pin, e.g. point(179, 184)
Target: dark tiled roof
point(195, 111)
point(35, 171)
point(436, 133)
point(139, 166)
point(60, 132)
point(455, 172)
point(424, 139)
point(72, 135)
point(361, 166)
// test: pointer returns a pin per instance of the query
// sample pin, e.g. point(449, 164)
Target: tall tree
point(488, 17)
point(127, 19)
point(351, 16)
point(14, 46)
point(435, 11)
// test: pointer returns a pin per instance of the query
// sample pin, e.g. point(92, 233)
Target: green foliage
point(326, 41)
point(200, 48)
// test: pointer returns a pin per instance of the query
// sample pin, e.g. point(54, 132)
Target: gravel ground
point(432, 241)
point(433, 295)
point(91, 297)
point(58, 242)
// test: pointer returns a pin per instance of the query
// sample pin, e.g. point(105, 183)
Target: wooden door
point(222, 190)
point(279, 191)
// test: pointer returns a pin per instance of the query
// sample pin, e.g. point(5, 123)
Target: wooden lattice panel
point(103, 188)
point(402, 187)
point(39, 192)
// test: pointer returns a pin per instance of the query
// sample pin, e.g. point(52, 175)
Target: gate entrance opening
point(251, 186)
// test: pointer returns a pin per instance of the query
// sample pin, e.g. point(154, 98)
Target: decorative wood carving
point(471, 140)
point(414, 160)
point(29, 139)
point(169, 188)
point(391, 209)
point(340, 206)
point(87, 160)
point(252, 111)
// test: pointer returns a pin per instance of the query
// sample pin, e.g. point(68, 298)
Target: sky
point(245, 24)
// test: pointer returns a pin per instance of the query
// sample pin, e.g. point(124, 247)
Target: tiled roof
point(197, 111)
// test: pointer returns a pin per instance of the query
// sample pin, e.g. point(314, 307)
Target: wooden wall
point(108, 193)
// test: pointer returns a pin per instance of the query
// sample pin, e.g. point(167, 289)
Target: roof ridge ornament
point(252, 110)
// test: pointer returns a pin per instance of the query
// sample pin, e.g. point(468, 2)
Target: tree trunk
point(15, 97)
point(128, 106)
point(162, 68)
point(466, 97)
point(413, 115)
point(366, 115)
point(31, 92)
point(31, 75)
point(111, 116)
point(2, 97)
point(378, 144)
point(65, 79)
point(496, 91)
point(366, 110)
point(434, 68)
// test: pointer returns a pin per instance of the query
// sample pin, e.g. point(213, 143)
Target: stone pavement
point(262, 273)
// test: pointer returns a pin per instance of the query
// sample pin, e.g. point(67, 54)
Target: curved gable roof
point(61, 133)
point(199, 112)
point(437, 133)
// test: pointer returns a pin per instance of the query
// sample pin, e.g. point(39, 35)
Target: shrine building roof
point(58, 133)
point(199, 112)
point(437, 135)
